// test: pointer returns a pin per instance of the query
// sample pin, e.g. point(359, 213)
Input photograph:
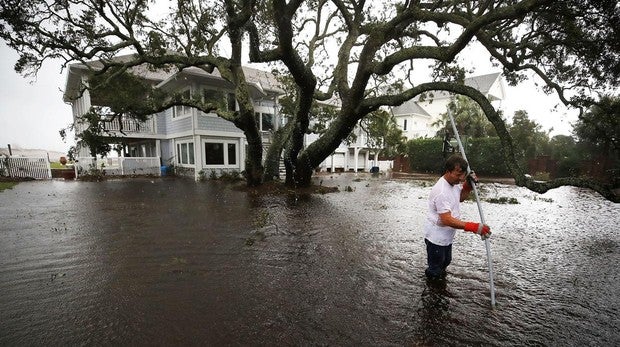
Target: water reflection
point(169, 262)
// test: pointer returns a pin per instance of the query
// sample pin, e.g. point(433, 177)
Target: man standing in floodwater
point(444, 216)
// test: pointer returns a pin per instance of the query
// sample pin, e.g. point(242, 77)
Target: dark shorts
point(438, 259)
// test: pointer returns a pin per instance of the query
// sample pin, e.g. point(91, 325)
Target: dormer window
point(264, 121)
point(220, 99)
point(182, 110)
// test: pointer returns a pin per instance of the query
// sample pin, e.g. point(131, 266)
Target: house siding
point(174, 126)
point(214, 123)
point(161, 124)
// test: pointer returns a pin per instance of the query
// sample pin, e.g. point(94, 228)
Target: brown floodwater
point(176, 262)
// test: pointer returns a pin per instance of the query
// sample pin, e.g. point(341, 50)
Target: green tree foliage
point(598, 133)
point(565, 152)
point(123, 94)
point(469, 118)
point(599, 127)
point(364, 53)
point(383, 134)
point(528, 137)
point(485, 154)
point(425, 155)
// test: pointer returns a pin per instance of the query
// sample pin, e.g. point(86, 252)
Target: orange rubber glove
point(477, 228)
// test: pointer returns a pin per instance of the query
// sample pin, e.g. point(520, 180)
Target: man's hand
point(472, 178)
point(478, 228)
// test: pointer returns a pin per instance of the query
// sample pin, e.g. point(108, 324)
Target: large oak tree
point(367, 54)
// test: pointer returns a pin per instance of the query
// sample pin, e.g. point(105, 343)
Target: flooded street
point(176, 262)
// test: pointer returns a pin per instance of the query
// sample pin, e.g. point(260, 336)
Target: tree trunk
point(272, 161)
point(253, 162)
point(316, 152)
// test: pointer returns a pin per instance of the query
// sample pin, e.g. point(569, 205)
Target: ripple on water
point(174, 262)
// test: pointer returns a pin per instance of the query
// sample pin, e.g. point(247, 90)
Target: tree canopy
point(469, 118)
point(600, 126)
point(529, 138)
point(368, 54)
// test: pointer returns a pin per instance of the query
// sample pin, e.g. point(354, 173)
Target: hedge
point(484, 154)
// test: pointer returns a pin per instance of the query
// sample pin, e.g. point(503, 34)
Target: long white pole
point(486, 241)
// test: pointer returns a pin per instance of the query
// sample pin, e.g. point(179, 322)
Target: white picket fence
point(119, 166)
point(24, 167)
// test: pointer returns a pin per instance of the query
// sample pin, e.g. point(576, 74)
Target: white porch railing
point(23, 167)
point(120, 166)
point(128, 126)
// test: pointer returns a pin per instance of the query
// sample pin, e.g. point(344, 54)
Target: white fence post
point(25, 167)
point(123, 165)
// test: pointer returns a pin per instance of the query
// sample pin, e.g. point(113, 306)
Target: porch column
point(333, 163)
point(356, 152)
point(197, 156)
point(376, 160)
point(242, 154)
point(346, 160)
point(158, 151)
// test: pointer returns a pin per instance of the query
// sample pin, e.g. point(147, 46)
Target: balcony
point(123, 127)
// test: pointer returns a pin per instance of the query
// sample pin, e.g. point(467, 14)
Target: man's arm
point(448, 220)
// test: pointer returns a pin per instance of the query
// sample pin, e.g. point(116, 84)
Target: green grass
point(57, 165)
point(7, 185)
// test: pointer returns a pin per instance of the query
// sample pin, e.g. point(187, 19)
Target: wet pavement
point(177, 262)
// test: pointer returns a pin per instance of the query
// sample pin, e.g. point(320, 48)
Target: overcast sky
point(32, 111)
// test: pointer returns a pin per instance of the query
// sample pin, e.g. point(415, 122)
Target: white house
point(183, 136)
point(356, 156)
point(416, 117)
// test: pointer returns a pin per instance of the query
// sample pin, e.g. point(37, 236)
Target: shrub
point(485, 154)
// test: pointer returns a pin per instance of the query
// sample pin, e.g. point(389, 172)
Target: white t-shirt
point(444, 197)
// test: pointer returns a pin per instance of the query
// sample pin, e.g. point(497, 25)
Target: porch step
point(282, 168)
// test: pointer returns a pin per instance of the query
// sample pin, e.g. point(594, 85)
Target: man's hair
point(455, 161)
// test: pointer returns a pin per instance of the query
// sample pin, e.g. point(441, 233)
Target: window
point(214, 153)
point(232, 154)
point(213, 96)
point(264, 121)
point(220, 99)
point(221, 153)
point(231, 102)
point(185, 153)
point(267, 122)
point(405, 124)
point(182, 110)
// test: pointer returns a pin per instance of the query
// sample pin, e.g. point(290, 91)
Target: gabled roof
point(261, 80)
point(486, 84)
point(410, 107)
point(483, 83)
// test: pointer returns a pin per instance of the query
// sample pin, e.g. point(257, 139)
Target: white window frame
point(182, 111)
point(224, 143)
point(184, 159)
point(259, 119)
